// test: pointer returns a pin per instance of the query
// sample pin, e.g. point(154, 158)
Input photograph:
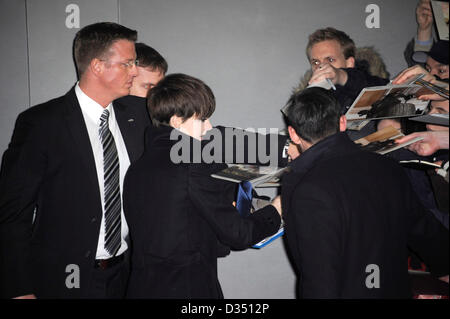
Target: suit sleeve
point(231, 229)
point(22, 169)
point(318, 228)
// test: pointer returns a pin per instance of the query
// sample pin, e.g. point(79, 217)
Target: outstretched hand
point(432, 142)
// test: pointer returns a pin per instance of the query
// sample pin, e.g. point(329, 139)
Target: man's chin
point(126, 91)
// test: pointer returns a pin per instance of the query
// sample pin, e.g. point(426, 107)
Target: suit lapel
point(132, 126)
point(127, 121)
point(77, 127)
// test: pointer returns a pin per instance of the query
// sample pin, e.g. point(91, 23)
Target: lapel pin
point(130, 120)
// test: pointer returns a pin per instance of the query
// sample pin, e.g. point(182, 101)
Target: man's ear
point(297, 140)
point(96, 66)
point(293, 135)
point(175, 121)
point(350, 62)
point(342, 123)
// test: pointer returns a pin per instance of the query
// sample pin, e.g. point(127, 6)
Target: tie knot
point(104, 117)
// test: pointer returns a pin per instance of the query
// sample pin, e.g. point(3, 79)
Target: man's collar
point(90, 107)
point(329, 146)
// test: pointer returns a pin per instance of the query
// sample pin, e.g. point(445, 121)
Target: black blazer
point(49, 169)
point(180, 218)
point(346, 209)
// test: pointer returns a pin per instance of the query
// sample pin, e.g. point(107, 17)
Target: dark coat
point(180, 218)
point(357, 80)
point(346, 209)
point(49, 169)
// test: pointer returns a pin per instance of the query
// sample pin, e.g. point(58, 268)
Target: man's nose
point(134, 71)
point(434, 71)
point(320, 65)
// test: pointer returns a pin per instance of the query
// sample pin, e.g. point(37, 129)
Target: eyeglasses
point(127, 65)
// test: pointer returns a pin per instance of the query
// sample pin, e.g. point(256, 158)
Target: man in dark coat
point(350, 215)
point(181, 219)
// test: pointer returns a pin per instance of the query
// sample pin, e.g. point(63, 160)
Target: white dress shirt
point(92, 112)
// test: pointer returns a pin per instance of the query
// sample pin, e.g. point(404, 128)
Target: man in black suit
point(62, 229)
point(350, 214)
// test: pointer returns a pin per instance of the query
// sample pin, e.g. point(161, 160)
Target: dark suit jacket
point(346, 209)
point(49, 169)
point(179, 219)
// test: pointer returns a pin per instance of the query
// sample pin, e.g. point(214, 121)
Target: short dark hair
point(314, 114)
point(329, 33)
point(181, 95)
point(150, 58)
point(94, 41)
point(439, 52)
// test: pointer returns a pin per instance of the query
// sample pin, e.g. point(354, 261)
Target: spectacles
point(127, 65)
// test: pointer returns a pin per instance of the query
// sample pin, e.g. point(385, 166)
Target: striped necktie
point(112, 201)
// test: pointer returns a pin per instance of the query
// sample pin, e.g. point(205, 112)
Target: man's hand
point(431, 143)
point(444, 278)
point(293, 152)
point(327, 71)
point(424, 18)
point(276, 202)
point(26, 297)
point(406, 74)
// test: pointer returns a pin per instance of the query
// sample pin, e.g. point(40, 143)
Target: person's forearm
point(424, 35)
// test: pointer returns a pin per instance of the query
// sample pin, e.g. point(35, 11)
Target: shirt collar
point(92, 109)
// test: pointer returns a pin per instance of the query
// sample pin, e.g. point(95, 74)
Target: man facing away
point(350, 214)
point(62, 229)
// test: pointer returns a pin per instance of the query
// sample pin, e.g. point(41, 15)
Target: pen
point(331, 84)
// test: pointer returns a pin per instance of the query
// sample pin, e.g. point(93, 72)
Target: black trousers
point(110, 283)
